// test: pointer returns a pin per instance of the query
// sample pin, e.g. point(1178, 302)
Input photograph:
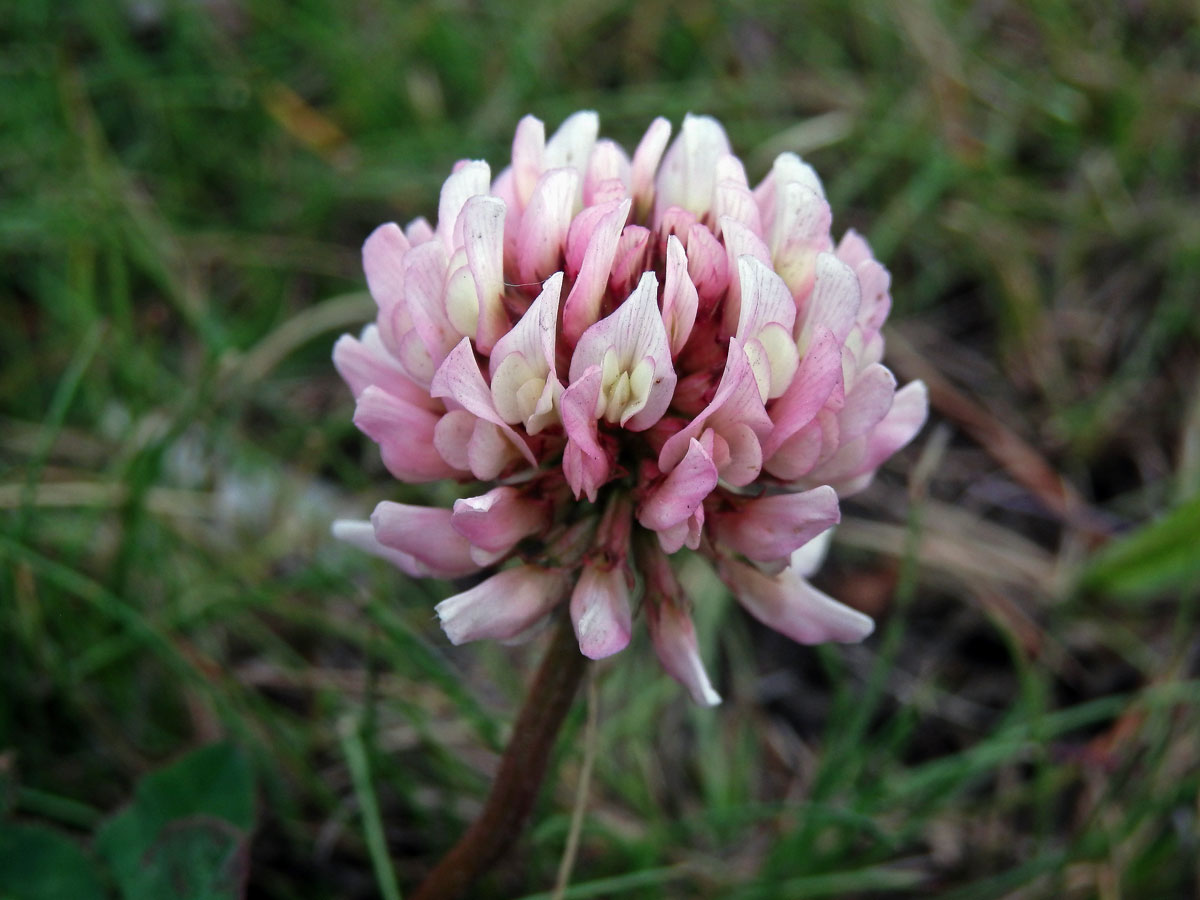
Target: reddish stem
point(522, 768)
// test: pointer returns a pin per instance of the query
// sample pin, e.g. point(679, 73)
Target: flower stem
point(522, 768)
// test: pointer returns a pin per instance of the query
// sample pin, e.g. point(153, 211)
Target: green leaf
point(186, 831)
point(39, 863)
point(192, 859)
point(1160, 556)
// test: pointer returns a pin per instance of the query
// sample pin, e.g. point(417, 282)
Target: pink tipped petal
point(868, 401)
point(677, 498)
point(571, 146)
point(459, 379)
point(739, 241)
point(545, 224)
point(582, 307)
point(419, 231)
point(793, 607)
point(816, 378)
point(851, 468)
point(495, 521)
point(365, 362)
point(736, 413)
point(771, 528)
point(484, 244)
point(585, 463)
point(452, 437)
point(608, 164)
point(674, 638)
point(789, 168)
point(631, 348)
point(629, 262)
point(645, 163)
point(404, 433)
point(469, 179)
point(529, 147)
point(686, 177)
point(503, 606)
point(525, 385)
point(490, 450)
point(425, 534)
point(680, 300)
point(361, 534)
point(732, 198)
point(800, 231)
point(425, 290)
point(834, 300)
point(583, 226)
point(765, 327)
point(708, 265)
point(600, 611)
point(383, 263)
point(765, 299)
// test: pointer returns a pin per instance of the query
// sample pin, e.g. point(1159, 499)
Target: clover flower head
point(633, 355)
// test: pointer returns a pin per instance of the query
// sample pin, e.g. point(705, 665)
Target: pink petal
point(503, 606)
point(793, 607)
point(868, 401)
point(688, 170)
point(771, 528)
point(671, 627)
point(800, 231)
point(834, 301)
point(533, 335)
point(459, 378)
point(383, 263)
point(674, 638)
point(819, 373)
point(736, 403)
point(607, 164)
point(469, 179)
point(529, 145)
point(453, 436)
point(680, 494)
point(404, 433)
point(425, 534)
point(600, 611)
point(498, 519)
point(636, 337)
point(645, 163)
point(365, 362)
point(680, 300)
point(571, 145)
point(765, 327)
point(629, 260)
point(585, 463)
point(419, 231)
point(739, 241)
point(732, 198)
point(788, 168)
point(425, 289)
point(361, 534)
point(525, 357)
point(544, 226)
point(587, 294)
point(484, 244)
point(708, 265)
point(765, 299)
point(852, 467)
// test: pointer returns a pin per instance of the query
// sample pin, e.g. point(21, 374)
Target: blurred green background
point(184, 187)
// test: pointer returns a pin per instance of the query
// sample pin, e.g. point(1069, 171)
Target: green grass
point(185, 187)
